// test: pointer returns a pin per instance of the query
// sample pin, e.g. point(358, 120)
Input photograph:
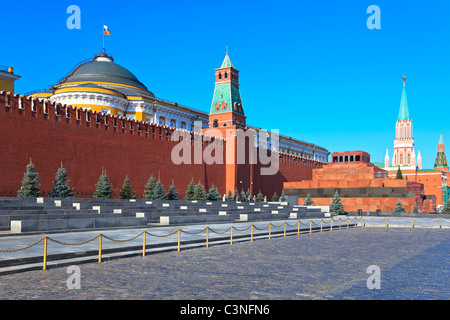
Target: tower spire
point(404, 110)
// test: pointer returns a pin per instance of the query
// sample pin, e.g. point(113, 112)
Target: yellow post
point(321, 221)
point(355, 223)
point(412, 223)
point(231, 235)
point(179, 232)
point(439, 223)
point(45, 254)
point(100, 248)
point(339, 223)
point(298, 227)
point(251, 234)
point(144, 243)
point(362, 224)
point(385, 222)
point(284, 234)
point(347, 221)
point(270, 225)
point(310, 226)
point(207, 240)
point(331, 224)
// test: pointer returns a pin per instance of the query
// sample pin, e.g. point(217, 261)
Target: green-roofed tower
point(226, 106)
point(441, 159)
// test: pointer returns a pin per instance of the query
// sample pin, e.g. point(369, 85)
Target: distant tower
point(419, 161)
point(441, 160)
point(386, 159)
point(404, 143)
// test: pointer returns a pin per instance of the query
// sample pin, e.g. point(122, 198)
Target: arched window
point(215, 123)
point(220, 76)
point(226, 75)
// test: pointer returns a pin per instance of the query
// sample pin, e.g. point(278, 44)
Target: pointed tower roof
point(227, 62)
point(404, 111)
point(441, 141)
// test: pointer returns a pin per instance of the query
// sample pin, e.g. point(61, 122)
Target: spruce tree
point(308, 201)
point(236, 195)
point(282, 197)
point(415, 209)
point(103, 189)
point(336, 205)
point(200, 192)
point(127, 190)
point(190, 192)
point(275, 197)
point(158, 192)
point(248, 195)
point(242, 197)
point(149, 186)
point(446, 209)
point(172, 194)
point(213, 194)
point(30, 184)
point(259, 197)
point(61, 187)
point(399, 174)
point(230, 196)
point(399, 207)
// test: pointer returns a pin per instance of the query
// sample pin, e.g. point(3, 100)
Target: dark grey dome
point(103, 69)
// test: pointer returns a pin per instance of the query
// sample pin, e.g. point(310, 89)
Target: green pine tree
point(236, 195)
point(446, 209)
point(230, 196)
point(282, 197)
point(399, 207)
point(248, 195)
point(259, 197)
point(399, 174)
point(172, 194)
point(158, 192)
point(103, 188)
point(242, 197)
point(61, 187)
point(213, 194)
point(275, 197)
point(308, 201)
point(149, 186)
point(30, 184)
point(190, 192)
point(415, 209)
point(200, 192)
point(127, 190)
point(336, 205)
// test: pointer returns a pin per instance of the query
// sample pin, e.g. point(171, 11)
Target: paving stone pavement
point(328, 265)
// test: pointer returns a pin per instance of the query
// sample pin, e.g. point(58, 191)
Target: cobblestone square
point(329, 265)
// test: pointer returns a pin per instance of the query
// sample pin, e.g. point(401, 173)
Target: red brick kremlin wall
point(85, 145)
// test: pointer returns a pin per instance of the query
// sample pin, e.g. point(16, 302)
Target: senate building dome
point(103, 70)
point(102, 85)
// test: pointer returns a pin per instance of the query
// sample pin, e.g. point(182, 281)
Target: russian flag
point(106, 31)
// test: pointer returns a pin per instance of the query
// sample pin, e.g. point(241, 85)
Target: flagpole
point(103, 31)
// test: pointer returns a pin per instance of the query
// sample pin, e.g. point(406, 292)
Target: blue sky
point(311, 69)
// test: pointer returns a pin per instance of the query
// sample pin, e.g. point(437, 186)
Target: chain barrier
point(100, 237)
